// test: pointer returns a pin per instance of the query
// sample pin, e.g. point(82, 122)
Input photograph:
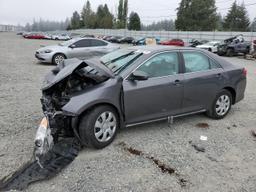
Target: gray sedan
point(92, 99)
point(82, 48)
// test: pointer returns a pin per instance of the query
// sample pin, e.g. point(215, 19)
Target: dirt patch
point(161, 165)
point(202, 125)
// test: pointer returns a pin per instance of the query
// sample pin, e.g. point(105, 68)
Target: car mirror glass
point(72, 46)
point(139, 76)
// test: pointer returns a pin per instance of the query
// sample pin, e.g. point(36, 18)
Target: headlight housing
point(47, 51)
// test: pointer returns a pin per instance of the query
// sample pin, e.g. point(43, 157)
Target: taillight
point(244, 72)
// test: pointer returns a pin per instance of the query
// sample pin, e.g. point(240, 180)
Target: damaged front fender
point(108, 92)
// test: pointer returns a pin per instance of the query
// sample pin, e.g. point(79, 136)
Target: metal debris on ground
point(62, 154)
point(253, 132)
point(162, 166)
point(198, 148)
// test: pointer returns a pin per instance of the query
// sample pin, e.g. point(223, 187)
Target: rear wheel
point(58, 59)
point(98, 127)
point(221, 105)
point(230, 52)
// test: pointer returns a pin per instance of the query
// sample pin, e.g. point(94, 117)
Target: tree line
point(192, 15)
point(201, 15)
point(104, 19)
point(45, 25)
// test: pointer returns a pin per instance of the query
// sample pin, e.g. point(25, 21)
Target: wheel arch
point(233, 93)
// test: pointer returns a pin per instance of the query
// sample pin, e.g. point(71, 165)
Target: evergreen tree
point(237, 18)
point(125, 11)
point(86, 15)
point(134, 21)
point(122, 14)
point(219, 22)
point(196, 15)
point(120, 10)
point(75, 21)
point(253, 25)
point(104, 17)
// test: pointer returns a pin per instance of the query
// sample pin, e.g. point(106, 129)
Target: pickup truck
point(233, 46)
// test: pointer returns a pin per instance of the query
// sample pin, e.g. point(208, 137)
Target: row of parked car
point(230, 47)
point(39, 35)
point(88, 46)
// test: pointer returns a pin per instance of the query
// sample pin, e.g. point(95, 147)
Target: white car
point(211, 46)
point(61, 37)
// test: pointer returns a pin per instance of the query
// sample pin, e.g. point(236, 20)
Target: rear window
point(195, 62)
point(95, 43)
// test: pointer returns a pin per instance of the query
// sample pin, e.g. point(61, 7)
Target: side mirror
point(139, 76)
point(72, 46)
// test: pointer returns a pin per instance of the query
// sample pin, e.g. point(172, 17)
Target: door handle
point(177, 82)
point(219, 75)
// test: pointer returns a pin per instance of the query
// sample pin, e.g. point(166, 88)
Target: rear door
point(203, 78)
point(98, 48)
point(159, 96)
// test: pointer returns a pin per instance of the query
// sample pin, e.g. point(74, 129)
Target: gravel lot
point(228, 163)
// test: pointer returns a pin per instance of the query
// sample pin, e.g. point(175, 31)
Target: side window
point(95, 43)
point(195, 62)
point(161, 65)
point(83, 43)
point(214, 65)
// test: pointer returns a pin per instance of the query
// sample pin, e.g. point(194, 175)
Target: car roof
point(159, 48)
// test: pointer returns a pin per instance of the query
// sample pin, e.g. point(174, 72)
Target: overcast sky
point(23, 11)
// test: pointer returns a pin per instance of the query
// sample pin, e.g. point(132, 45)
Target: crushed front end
point(60, 85)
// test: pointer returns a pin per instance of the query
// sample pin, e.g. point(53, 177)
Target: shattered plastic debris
point(198, 148)
point(203, 138)
point(62, 154)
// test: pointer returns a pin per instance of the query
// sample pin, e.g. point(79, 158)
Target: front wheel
point(58, 59)
point(221, 105)
point(98, 127)
point(230, 53)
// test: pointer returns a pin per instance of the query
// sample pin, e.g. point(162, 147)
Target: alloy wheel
point(105, 126)
point(222, 105)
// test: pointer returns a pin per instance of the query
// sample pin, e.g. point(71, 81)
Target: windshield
point(67, 43)
point(117, 61)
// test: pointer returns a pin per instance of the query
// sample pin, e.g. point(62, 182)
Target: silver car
point(81, 48)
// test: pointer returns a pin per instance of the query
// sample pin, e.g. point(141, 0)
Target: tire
point(230, 52)
point(221, 105)
point(96, 132)
point(210, 49)
point(58, 58)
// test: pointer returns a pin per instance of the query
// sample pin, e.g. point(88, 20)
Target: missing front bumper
point(43, 140)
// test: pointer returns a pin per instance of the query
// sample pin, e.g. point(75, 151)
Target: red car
point(34, 36)
point(175, 42)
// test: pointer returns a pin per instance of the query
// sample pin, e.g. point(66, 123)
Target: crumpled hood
point(69, 66)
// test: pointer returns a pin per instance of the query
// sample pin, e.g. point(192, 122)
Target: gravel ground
point(228, 163)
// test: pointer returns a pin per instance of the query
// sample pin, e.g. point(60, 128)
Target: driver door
point(160, 95)
point(80, 49)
